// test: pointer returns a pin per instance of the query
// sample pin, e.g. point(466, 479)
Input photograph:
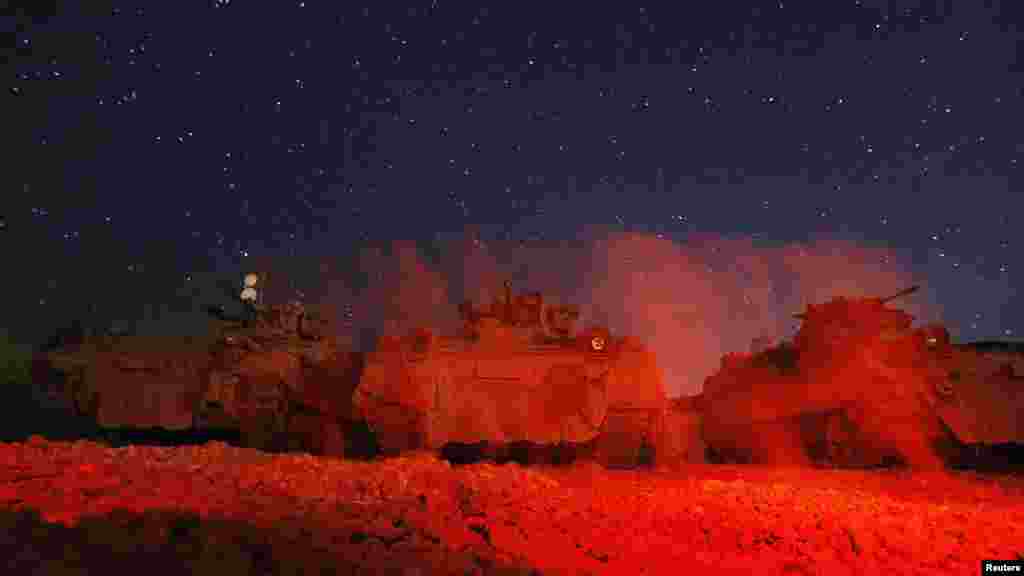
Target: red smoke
point(691, 302)
point(402, 292)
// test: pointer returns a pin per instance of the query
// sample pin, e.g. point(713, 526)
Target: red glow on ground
point(220, 509)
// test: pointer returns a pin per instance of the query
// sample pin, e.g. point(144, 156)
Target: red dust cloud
point(691, 302)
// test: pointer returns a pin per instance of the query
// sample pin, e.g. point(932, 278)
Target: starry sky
point(691, 176)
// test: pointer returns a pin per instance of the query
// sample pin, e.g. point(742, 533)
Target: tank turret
point(524, 317)
point(846, 321)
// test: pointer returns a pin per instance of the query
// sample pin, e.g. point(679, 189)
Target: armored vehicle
point(857, 386)
point(516, 374)
point(272, 375)
point(981, 400)
point(125, 381)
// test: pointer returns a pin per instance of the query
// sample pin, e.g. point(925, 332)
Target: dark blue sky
point(156, 148)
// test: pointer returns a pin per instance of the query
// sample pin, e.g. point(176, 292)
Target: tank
point(516, 374)
point(857, 386)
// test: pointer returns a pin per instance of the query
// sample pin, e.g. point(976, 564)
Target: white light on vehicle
point(249, 294)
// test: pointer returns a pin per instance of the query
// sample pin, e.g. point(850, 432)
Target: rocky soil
point(82, 507)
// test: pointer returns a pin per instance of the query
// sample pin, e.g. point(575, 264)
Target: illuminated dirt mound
point(74, 508)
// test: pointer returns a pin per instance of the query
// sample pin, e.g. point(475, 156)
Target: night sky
point(691, 177)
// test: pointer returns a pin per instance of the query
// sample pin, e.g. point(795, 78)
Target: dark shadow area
point(360, 441)
point(1003, 346)
point(784, 358)
point(23, 414)
point(461, 453)
point(728, 455)
point(517, 452)
point(174, 543)
point(995, 458)
point(646, 456)
point(117, 437)
point(522, 452)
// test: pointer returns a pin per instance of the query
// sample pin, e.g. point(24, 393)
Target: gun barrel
point(218, 313)
point(902, 293)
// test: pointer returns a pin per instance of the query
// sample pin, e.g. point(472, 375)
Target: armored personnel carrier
point(516, 374)
point(857, 386)
point(272, 375)
point(121, 382)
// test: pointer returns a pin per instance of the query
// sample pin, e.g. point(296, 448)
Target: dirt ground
point(82, 507)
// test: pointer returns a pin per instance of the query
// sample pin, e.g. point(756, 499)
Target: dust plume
point(691, 301)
